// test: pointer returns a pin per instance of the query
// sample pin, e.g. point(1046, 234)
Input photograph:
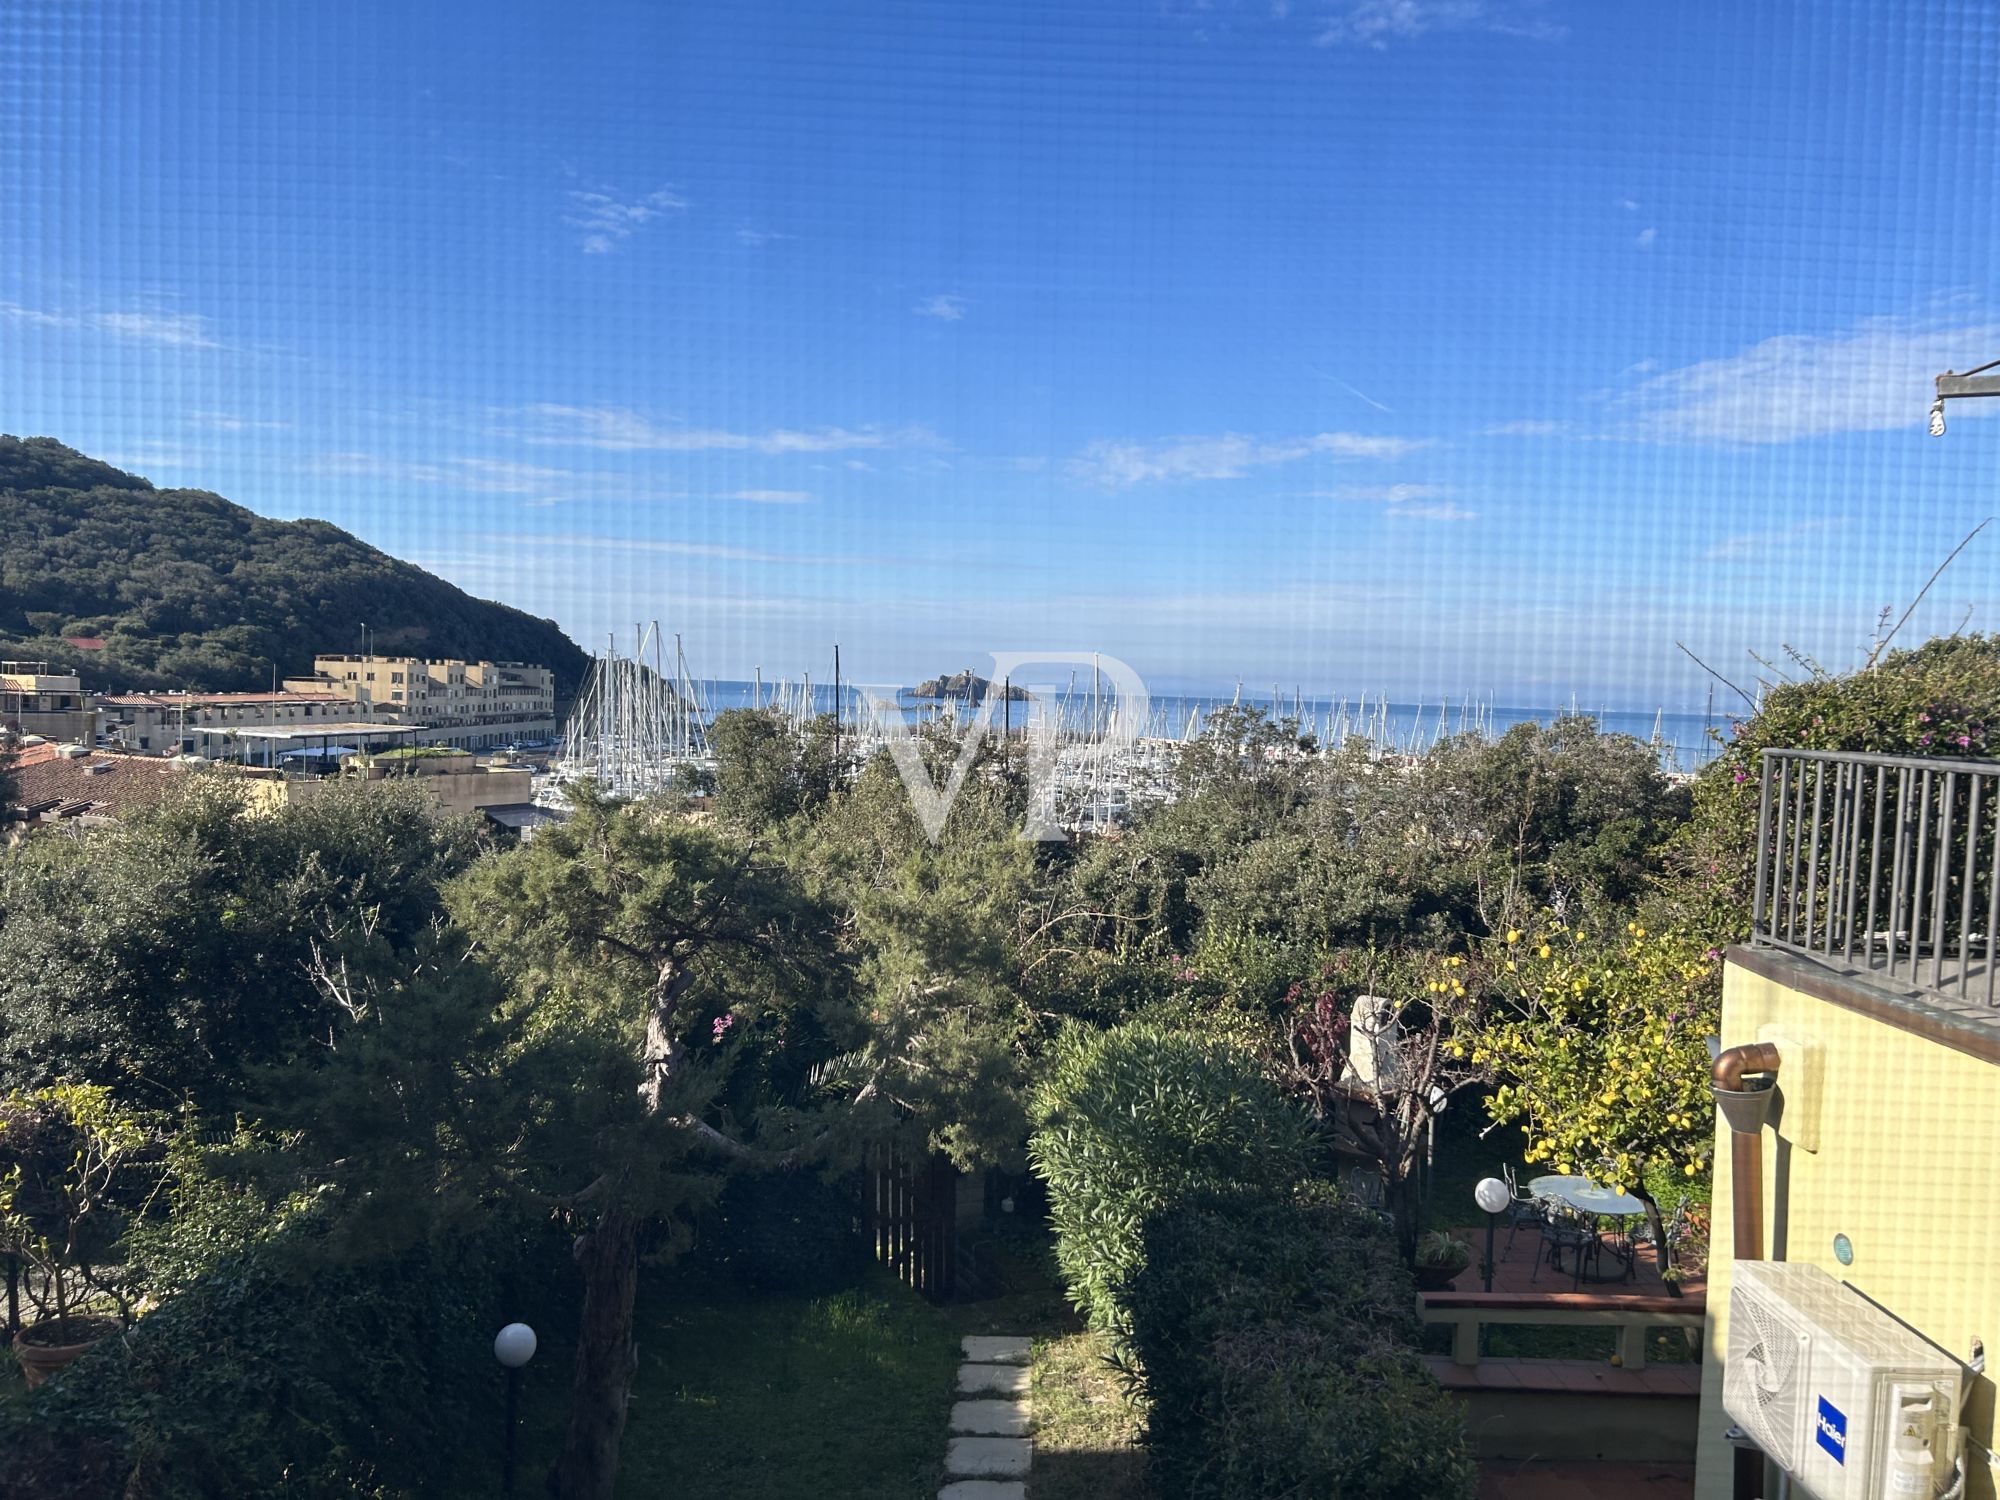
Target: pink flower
point(721, 1027)
point(1964, 740)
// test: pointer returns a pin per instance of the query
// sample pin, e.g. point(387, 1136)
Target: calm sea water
point(1684, 737)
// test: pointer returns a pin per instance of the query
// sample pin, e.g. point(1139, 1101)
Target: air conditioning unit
point(1845, 1399)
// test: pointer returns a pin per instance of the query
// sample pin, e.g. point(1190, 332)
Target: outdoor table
point(1588, 1197)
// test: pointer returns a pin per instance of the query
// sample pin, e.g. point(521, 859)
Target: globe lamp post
point(513, 1346)
point(1493, 1196)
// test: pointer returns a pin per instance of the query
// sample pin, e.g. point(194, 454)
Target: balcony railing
point(1883, 864)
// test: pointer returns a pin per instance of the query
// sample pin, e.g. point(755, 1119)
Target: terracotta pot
point(41, 1360)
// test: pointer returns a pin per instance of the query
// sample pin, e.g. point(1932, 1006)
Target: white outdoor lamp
point(1493, 1196)
point(513, 1346)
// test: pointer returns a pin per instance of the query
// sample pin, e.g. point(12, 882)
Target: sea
point(1687, 741)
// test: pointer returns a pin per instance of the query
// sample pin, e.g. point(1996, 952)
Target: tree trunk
point(1660, 1245)
point(602, 1381)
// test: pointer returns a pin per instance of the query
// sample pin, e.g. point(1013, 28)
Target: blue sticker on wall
point(1832, 1430)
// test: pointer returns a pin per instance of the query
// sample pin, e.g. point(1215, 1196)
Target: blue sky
point(1466, 347)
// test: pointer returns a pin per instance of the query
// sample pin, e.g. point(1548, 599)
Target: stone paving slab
point(1007, 1380)
point(984, 1489)
point(991, 1350)
point(993, 1457)
point(991, 1418)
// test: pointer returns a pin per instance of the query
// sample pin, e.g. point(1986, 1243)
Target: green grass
point(774, 1395)
point(1086, 1432)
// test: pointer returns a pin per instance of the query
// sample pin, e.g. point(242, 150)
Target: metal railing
point(1885, 864)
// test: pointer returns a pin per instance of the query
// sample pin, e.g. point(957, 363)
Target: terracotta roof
point(43, 774)
point(197, 700)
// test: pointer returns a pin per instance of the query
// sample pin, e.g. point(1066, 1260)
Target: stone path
point(989, 1452)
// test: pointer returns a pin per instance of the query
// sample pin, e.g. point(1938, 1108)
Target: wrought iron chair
point(1563, 1228)
point(1524, 1209)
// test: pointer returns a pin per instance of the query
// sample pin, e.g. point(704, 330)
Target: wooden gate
point(909, 1216)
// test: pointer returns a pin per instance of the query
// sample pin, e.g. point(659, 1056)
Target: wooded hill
point(187, 590)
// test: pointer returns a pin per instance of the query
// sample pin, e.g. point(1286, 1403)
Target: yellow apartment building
point(1870, 978)
point(471, 705)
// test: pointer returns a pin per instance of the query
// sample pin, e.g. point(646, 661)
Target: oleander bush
point(1276, 1342)
point(1136, 1119)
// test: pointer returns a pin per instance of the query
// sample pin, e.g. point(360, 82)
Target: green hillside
point(189, 591)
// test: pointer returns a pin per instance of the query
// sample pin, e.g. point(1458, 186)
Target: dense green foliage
point(169, 954)
point(263, 1379)
point(1278, 1354)
point(1136, 1119)
point(1940, 699)
point(187, 590)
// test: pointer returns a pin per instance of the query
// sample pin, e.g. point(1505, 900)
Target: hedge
point(1277, 1344)
point(276, 1377)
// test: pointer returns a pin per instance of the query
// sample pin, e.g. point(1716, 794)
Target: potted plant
point(1439, 1259)
point(61, 1149)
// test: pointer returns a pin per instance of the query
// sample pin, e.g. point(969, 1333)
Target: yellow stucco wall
point(1907, 1166)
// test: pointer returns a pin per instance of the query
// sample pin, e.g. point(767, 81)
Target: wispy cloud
point(1380, 494)
point(179, 330)
point(619, 429)
point(1872, 377)
point(1444, 512)
point(537, 484)
point(1229, 455)
point(1645, 237)
point(229, 421)
point(607, 221)
point(1379, 23)
point(1750, 545)
point(945, 307)
point(1526, 427)
point(770, 497)
point(14, 312)
point(749, 236)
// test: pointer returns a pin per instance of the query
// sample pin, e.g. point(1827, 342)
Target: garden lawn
point(1086, 1432)
point(771, 1397)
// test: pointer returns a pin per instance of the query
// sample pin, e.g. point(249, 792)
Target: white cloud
point(1526, 427)
point(607, 221)
point(620, 429)
point(1377, 23)
point(175, 329)
point(1630, 205)
point(226, 421)
point(1869, 378)
point(1445, 512)
point(770, 497)
point(537, 484)
point(945, 307)
point(179, 330)
point(1749, 545)
point(1644, 239)
point(1228, 455)
point(14, 312)
point(1381, 494)
point(748, 236)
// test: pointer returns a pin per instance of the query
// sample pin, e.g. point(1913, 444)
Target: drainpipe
point(1744, 1102)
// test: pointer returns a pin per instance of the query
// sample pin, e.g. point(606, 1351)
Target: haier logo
point(1832, 1430)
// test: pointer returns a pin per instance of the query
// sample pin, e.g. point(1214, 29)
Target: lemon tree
point(1597, 1045)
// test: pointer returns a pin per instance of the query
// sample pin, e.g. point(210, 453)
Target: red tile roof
point(44, 774)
